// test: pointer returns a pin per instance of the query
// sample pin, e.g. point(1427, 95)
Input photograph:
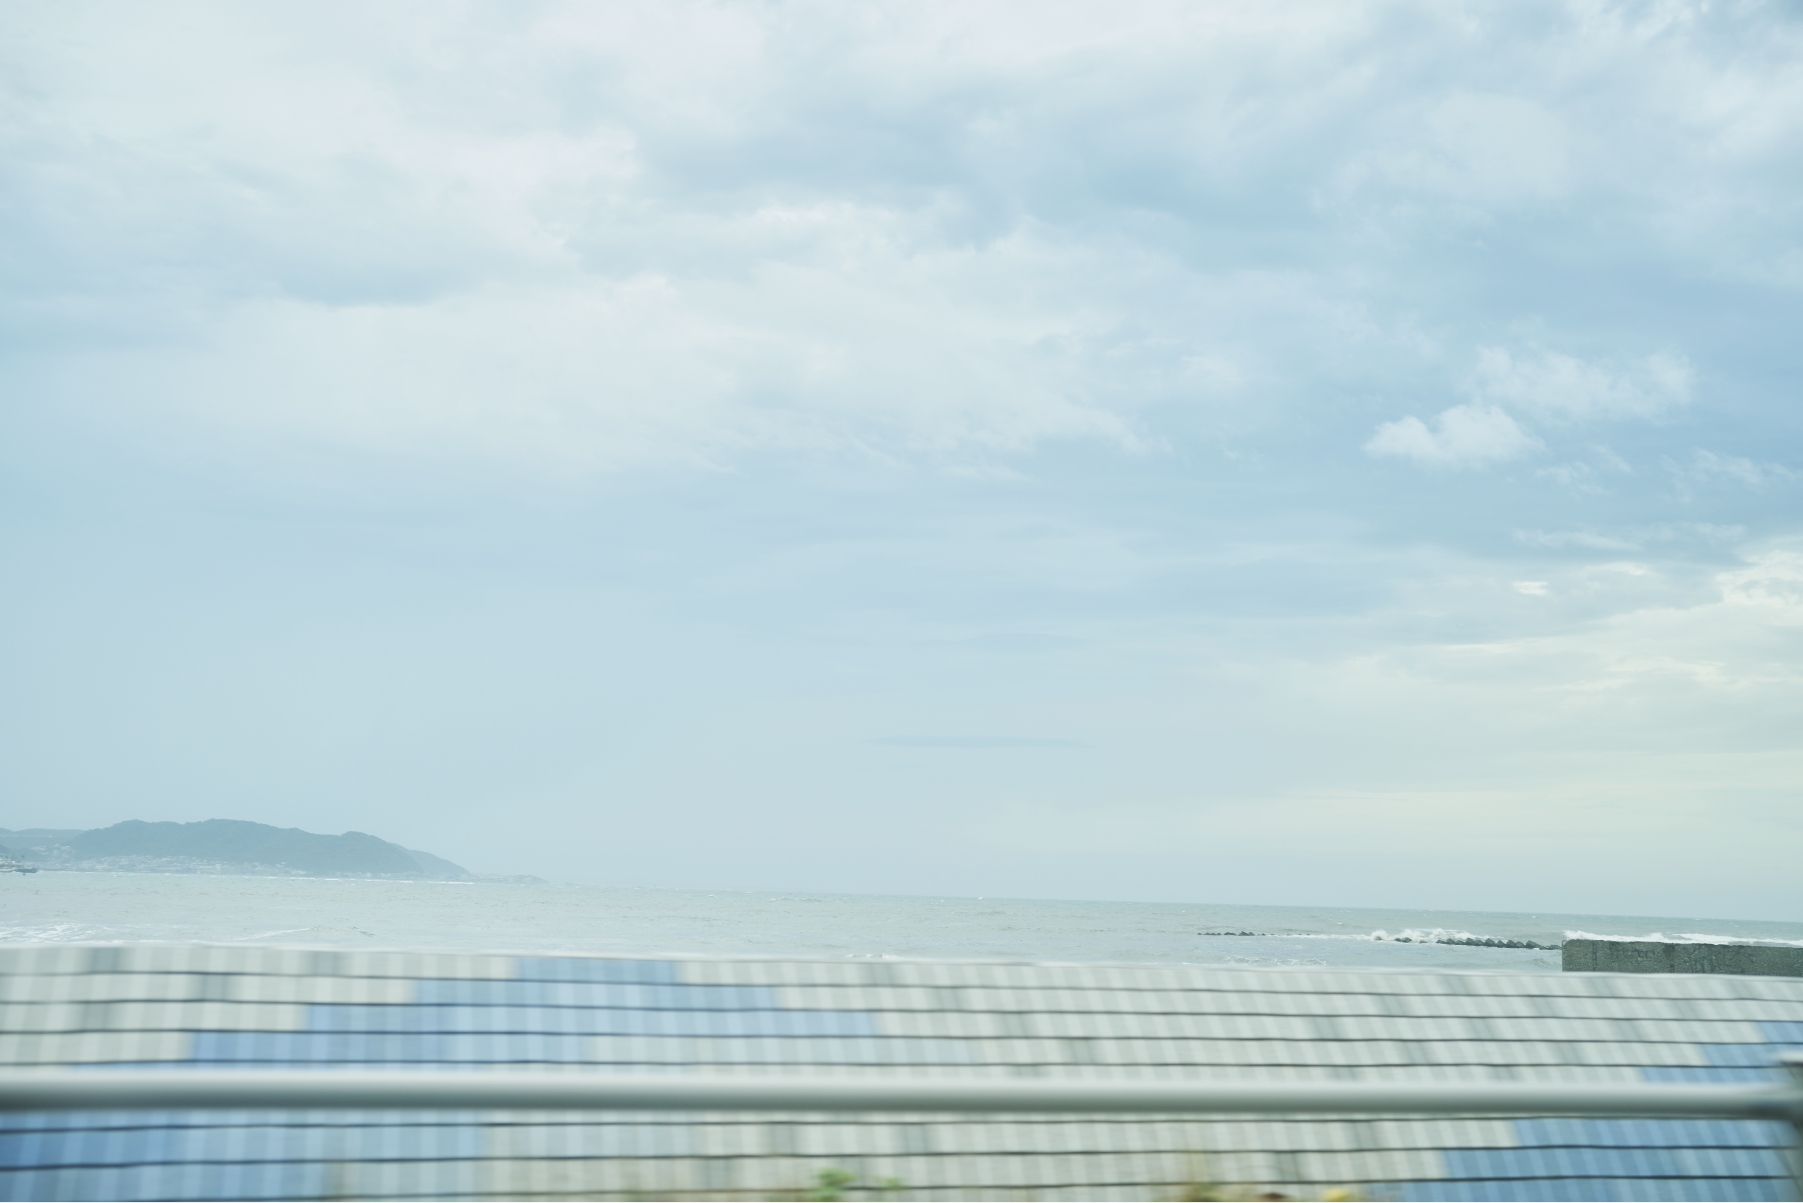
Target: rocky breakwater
point(1423, 938)
point(1477, 942)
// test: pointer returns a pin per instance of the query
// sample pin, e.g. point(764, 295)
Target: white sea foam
point(1408, 935)
point(57, 933)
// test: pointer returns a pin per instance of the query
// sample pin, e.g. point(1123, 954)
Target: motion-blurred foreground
point(171, 1006)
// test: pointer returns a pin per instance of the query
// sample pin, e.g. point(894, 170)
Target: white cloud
point(1554, 388)
point(437, 250)
point(1573, 538)
point(1463, 436)
point(1708, 466)
point(1482, 151)
point(1635, 538)
point(1666, 724)
point(1735, 642)
point(1561, 389)
point(1773, 584)
point(1018, 213)
point(1588, 475)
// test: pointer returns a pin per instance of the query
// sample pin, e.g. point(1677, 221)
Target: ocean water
point(64, 906)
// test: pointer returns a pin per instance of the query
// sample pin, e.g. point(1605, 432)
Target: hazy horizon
point(1313, 454)
point(505, 878)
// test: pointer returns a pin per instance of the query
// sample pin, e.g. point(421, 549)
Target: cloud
point(1021, 641)
point(1773, 584)
point(1733, 642)
point(1562, 389)
point(1709, 466)
point(566, 368)
point(1480, 152)
point(1588, 540)
point(1588, 475)
point(647, 371)
point(1460, 437)
point(679, 234)
point(1556, 389)
point(1634, 538)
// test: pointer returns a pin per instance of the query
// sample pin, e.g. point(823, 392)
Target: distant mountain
point(437, 866)
point(219, 843)
point(27, 838)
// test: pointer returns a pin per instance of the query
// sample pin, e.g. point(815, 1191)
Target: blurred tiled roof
point(254, 1006)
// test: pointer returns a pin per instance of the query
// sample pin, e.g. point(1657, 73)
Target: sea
point(56, 906)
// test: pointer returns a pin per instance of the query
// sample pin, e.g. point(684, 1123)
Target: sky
point(1299, 453)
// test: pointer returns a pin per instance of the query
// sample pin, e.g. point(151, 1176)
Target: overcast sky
point(1281, 453)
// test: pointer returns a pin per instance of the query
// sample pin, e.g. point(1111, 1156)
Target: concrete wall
point(1650, 956)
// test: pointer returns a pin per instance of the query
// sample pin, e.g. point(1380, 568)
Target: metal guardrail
point(331, 1089)
point(503, 1090)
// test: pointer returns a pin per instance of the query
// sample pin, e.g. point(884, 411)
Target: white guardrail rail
point(110, 1090)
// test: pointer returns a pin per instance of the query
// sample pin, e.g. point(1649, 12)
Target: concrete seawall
point(1653, 956)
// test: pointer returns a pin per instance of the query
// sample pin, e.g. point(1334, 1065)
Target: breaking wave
point(62, 933)
point(1410, 935)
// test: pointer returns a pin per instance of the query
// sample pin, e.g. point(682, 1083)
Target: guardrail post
point(1794, 1063)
